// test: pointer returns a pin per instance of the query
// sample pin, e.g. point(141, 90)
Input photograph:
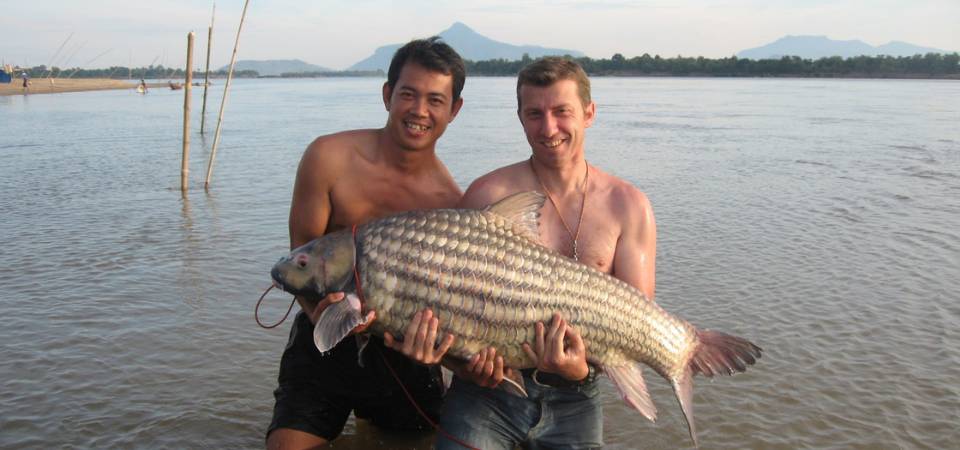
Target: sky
point(337, 34)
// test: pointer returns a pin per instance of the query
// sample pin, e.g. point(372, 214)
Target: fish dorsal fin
point(521, 210)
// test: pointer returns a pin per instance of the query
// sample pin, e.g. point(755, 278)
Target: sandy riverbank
point(54, 86)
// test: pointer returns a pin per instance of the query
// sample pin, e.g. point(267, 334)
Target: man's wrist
point(591, 374)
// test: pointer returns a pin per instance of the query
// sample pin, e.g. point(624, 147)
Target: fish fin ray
point(514, 386)
point(629, 383)
point(522, 210)
point(363, 339)
point(721, 353)
point(683, 388)
point(337, 321)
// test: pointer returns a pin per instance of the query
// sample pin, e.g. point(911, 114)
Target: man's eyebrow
point(430, 93)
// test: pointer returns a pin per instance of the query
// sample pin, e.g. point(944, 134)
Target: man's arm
point(634, 260)
point(310, 210)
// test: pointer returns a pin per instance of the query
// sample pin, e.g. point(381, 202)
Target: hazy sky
point(337, 34)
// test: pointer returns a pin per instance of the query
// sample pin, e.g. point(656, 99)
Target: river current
point(820, 219)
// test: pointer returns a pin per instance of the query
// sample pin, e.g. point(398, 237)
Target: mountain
point(816, 47)
point(275, 66)
point(470, 45)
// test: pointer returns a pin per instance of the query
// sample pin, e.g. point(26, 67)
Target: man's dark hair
point(433, 55)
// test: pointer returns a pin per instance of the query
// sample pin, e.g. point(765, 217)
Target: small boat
point(141, 89)
point(176, 86)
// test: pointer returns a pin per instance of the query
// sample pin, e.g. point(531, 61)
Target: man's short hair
point(546, 71)
point(434, 55)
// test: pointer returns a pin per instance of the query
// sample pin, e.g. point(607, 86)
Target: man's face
point(554, 120)
point(421, 105)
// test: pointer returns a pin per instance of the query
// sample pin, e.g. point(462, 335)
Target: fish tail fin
point(721, 353)
point(718, 353)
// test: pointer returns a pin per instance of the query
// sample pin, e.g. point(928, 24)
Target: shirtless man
point(351, 177)
point(591, 216)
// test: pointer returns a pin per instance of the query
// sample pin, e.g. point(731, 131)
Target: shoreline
point(57, 86)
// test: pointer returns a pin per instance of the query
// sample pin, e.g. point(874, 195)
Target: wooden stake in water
point(223, 103)
point(206, 77)
point(186, 116)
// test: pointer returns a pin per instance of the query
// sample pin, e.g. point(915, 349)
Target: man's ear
point(588, 114)
point(456, 109)
point(386, 95)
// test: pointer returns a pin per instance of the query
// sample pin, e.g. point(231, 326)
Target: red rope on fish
point(256, 311)
point(415, 405)
point(363, 311)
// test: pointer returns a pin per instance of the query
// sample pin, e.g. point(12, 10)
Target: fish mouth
point(277, 279)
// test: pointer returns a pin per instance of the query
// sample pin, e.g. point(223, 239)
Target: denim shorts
point(549, 418)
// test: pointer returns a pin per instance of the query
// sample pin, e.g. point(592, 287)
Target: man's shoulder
point(344, 141)
point(503, 175)
point(331, 149)
point(494, 186)
point(622, 200)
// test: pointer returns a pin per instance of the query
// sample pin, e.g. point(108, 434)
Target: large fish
point(488, 281)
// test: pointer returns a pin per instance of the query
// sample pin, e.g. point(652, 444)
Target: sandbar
point(59, 85)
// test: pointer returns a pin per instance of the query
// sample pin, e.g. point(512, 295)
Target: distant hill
point(816, 47)
point(276, 66)
point(470, 45)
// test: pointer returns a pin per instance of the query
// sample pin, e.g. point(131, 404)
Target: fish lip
point(277, 279)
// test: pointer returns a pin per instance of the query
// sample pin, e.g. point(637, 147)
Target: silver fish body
point(488, 281)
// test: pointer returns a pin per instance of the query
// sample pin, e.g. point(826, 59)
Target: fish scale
point(488, 280)
point(489, 303)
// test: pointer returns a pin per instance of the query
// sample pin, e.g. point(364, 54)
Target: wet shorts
point(317, 391)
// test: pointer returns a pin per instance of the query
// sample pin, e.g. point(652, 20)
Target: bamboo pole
point(226, 88)
point(88, 62)
point(55, 55)
point(206, 77)
point(186, 117)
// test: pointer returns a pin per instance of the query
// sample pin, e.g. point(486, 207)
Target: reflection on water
point(817, 218)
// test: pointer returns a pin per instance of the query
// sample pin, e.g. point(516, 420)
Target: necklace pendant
point(575, 256)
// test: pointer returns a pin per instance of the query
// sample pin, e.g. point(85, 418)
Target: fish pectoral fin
point(629, 383)
point(514, 385)
point(337, 321)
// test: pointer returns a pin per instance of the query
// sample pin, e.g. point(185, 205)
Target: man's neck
point(563, 180)
point(402, 159)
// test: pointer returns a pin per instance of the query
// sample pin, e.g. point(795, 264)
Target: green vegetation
point(125, 73)
point(931, 65)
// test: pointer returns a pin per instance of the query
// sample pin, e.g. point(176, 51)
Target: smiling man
point(350, 177)
point(590, 216)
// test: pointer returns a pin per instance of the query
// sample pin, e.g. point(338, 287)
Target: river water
point(819, 219)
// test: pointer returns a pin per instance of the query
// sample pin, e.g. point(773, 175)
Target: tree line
point(127, 73)
point(931, 65)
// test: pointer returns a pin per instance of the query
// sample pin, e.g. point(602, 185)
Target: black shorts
point(318, 391)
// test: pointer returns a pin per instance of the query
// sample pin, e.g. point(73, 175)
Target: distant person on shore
point(350, 177)
point(26, 81)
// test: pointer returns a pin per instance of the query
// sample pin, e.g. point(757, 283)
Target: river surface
point(819, 219)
